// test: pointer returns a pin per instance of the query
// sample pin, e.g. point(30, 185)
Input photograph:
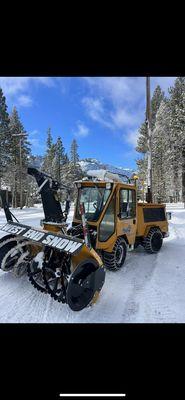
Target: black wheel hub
point(87, 279)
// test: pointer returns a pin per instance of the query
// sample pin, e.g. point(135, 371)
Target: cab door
point(127, 214)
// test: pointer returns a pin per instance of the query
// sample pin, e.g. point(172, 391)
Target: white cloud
point(125, 90)
point(12, 86)
point(131, 137)
point(123, 118)
point(118, 90)
point(119, 118)
point(82, 130)
point(119, 102)
point(45, 80)
point(25, 101)
point(17, 89)
point(115, 101)
point(96, 110)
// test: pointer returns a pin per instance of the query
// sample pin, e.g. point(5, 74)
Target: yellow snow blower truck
point(69, 263)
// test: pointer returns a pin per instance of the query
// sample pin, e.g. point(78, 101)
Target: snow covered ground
point(150, 288)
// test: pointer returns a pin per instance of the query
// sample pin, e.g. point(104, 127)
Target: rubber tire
point(4, 249)
point(110, 258)
point(154, 234)
point(2, 239)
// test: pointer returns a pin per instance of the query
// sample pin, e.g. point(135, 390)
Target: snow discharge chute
point(57, 262)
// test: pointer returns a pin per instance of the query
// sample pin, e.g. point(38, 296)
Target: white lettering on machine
point(57, 242)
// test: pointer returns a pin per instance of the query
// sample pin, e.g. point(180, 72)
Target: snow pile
point(149, 288)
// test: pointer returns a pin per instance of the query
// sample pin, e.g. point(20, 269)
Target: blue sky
point(102, 113)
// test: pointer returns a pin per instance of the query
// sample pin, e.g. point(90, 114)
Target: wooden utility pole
point(148, 120)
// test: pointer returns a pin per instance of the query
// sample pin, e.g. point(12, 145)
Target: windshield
point(94, 199)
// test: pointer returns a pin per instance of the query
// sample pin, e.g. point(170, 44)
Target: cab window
point(94, 199)
point(127, 203)
point(107, 225)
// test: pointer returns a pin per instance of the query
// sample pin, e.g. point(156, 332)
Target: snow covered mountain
point(93, 164)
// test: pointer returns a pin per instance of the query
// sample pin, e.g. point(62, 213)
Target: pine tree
point(70, 174)
point(157, 98)
point(16, 127)
point(49, 139)
point(183, 172)
point(142, 168)
point(160, 154)
point(74, 152)
point(50, 154)
point(142, 144)
point(66, 158)
point(177, 132)
point(14, 176)
point(70, 171)
point(4, 133)
point(183, 150)
point(168, 144)
point(59, 159)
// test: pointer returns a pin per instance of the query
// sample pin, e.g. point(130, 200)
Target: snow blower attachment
point(57, 262)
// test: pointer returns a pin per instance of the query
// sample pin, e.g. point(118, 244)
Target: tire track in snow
point(142, 270)
point(166, 291)
point(19, 301)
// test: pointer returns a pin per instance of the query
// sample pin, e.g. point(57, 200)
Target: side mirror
point(168, 215)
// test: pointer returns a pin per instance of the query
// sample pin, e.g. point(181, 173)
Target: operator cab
point(110, 207)
point(94, 197)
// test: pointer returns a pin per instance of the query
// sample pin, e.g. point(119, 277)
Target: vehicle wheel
point(115, 260)
point(86, 280)
point(153, 241)
point(5, 247)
